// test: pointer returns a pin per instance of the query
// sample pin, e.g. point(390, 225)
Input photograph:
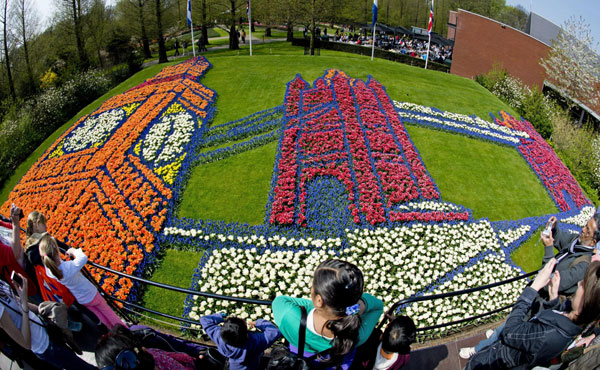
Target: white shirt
point(39, 336)
point(82, 289)
point(382, 363)
point(310, 323)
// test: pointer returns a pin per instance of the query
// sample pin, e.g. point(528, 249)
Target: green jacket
point(286, 311)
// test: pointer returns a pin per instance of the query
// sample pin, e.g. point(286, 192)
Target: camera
point(548, 230)
point(16, 278)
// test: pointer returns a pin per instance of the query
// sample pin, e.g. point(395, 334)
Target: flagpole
point(430, 28)
point(193, 42)
point(250, 24)
point(427, 56)
point(374, 25)
point(191, 24)
point(373, 46)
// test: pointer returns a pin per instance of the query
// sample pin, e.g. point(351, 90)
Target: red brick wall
point(480, 42)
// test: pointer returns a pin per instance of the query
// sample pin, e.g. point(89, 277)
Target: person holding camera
point(526, 343)
point(12, 257)
point(20, 322)
point(574, 251)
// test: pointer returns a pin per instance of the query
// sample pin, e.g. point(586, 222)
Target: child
point(69, 274)
point(390, 350)
point(340, 316)
point(244, 349)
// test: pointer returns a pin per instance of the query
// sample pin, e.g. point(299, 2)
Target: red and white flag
point(430, 26)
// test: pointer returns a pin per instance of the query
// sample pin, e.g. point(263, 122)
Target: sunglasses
point(126, 359)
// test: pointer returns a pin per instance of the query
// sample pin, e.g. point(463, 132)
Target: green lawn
point(493, 180)
point(177, 268)
point(529, 255)
point(233, 189)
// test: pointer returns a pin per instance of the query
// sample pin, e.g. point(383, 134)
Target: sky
point(557, 11)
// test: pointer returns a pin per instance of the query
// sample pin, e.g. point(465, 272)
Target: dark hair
point(117, 340)
point(282, 360)
point(398, 335)
point(234, 332)
point(340, 285)
point(591, 295)
point(596, 234)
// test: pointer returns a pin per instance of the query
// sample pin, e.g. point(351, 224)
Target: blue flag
point(189, 13)
point(374, 12)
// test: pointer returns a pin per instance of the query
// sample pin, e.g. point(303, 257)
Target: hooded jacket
point(525, 344)
point(248, 356)
point(573, 259)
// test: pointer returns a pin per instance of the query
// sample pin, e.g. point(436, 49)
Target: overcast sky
point(556, 11)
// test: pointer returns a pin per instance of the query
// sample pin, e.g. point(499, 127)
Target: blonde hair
point(34, 217)
point(49, 252)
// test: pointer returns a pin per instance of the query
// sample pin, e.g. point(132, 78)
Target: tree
point(75, 12)
point(233, 39)
point(98, 20)
point(572, 64)
point(26, 27)
point(162, 50)
point(139, 5)
point(4, 19)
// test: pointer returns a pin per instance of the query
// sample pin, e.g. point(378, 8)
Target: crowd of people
point(334, 329)
point(403, 44)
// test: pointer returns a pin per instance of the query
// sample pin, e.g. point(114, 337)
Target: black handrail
point(181, 290)
point(389, 313)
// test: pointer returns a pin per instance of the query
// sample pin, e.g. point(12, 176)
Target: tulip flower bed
point(349, 130)
point(348, 183)
point(108, 184)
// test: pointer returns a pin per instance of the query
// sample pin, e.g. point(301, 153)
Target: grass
point(230, 143)
point(235, 189)
point(259, 82)
point(493, 180)
point(529, 255)
point(176, 269)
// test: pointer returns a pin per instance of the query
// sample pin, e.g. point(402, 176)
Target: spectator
point(574, 252)
point(69, 274)
point(20, 322)
point(11, 252)
point(340, 316)
point(387, 351)
point(121, 350)
point(243, 348)
point(538, 340)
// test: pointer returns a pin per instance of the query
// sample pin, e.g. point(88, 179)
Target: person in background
point(12, 257)
point(69, 274)
point(574, 252)
point(535, 342)
point(120, 350)
point(19, 320)
point(340, 316)
point(243, 348)
point(389, 350)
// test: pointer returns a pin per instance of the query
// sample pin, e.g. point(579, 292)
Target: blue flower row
point(222, 153)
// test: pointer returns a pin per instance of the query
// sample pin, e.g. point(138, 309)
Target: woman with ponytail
point(340, 316)
point(69, 274)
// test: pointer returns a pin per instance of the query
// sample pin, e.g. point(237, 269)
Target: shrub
point(530, 103)
point(26, 124)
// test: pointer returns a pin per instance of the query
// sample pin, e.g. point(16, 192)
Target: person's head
point(119, 350)
point(586, 301)
point(234, 332)
point(36, 223)
point(590, 233)
point(399, 335)
point(50, 255)
point(336, 291)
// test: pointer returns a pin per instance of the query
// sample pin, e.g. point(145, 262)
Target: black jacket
point(524, 344)
point(571, 269)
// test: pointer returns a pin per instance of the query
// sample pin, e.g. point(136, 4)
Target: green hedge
point(379, 53)
point(26, 124)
